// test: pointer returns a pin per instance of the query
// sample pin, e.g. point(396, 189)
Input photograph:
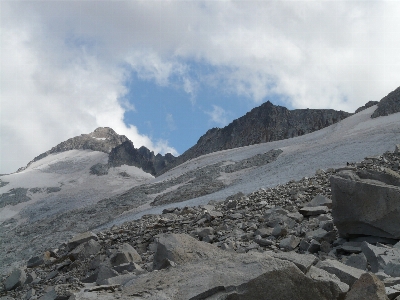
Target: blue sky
point(164, 72)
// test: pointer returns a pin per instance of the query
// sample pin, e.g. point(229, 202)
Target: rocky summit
point(313, 217)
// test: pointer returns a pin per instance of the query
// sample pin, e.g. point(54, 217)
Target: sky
point(164, 72)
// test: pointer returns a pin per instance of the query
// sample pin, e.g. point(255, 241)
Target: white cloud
point(218, 115)
point(64, 63)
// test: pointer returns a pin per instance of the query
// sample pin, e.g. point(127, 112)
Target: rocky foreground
point(331, 236)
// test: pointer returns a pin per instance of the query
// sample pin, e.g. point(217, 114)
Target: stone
point(85, 250)
point(321, 235)
point(391, 281)
point(351, 247)
point(326, 225)
point(30, 277)
point(322, 275)
point(203, 232)
point(298, 217)
point(358, 261)
point(264, 232)
point(178, 248)
point(81, 238)
point(345, 273)
point(372, 253)
point(302, 261)
point(365, 207)
point(279, 230)
point(125, 254)
point(368, 286)
point(226, 275)
point(313, 210)
point(314, 247)
point(35, 261)
point(320, 200)
point(262, 242)
point(58, 292)
point(130, 267)
point(16, 278)
point(120, 279)
point(104, 273)
point(289, 243)
point(397, 149)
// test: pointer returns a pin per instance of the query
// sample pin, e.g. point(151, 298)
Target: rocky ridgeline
point(293, 241)
point(390, 104)
point(265, 123)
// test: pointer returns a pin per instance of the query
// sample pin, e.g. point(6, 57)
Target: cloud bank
point(64, 64)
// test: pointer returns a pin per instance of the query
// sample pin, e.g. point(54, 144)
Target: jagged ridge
point(265, 123)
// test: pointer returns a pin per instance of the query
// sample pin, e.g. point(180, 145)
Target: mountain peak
point(103, 132)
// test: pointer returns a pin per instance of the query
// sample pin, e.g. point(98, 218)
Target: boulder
point(16, 278)
point(313, 210)
point(345, 273)
point(358, 261)
point(320, 200)
point(179, 248)
point(85, 250)
point(368, 286)
point(303, 261)
point(322, 275)
point(104, 273)
point(35, 261)
point(289, 243)
point(125, 254)
point(366, 206)
point(205, 272)
point(81, 238)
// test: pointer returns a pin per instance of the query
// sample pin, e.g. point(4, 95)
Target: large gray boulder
point(80, 239)
point(366, 206)
point(16, 278)
point(203, 271)
point(368, 286)
point(125, 254)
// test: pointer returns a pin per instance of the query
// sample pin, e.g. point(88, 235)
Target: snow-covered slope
point(60, 182)
point(350, 140)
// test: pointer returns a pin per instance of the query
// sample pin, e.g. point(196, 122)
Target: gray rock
point(365, 207)
point(358, 261)
point(226, 275)
point(391, 281)
point(125, 254)
point(314, 247)
point(289, 243)
point(85, 250)
point(262, 242)
point(302, 261)
point(81, 238)
point(298, 217)
point(203, 232)
point(397, 149)
point(104, 273)
point(35, 261)
point(322, 275)
point(345, 273)
point(16, 278)
point(313, 210)
point(373, 253)
point(320, 200)
point(120, 279)
point(351, 247)
point(368, 286)
point(130, 267)
point(264, 232)
point(58, 292)
point(179, 248)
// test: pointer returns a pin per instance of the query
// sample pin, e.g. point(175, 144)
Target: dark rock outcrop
point(390, 104)
point(127, 154)
point(367, 105)
point(265, 123)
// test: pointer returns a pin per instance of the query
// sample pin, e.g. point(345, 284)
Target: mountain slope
point(265, 123)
